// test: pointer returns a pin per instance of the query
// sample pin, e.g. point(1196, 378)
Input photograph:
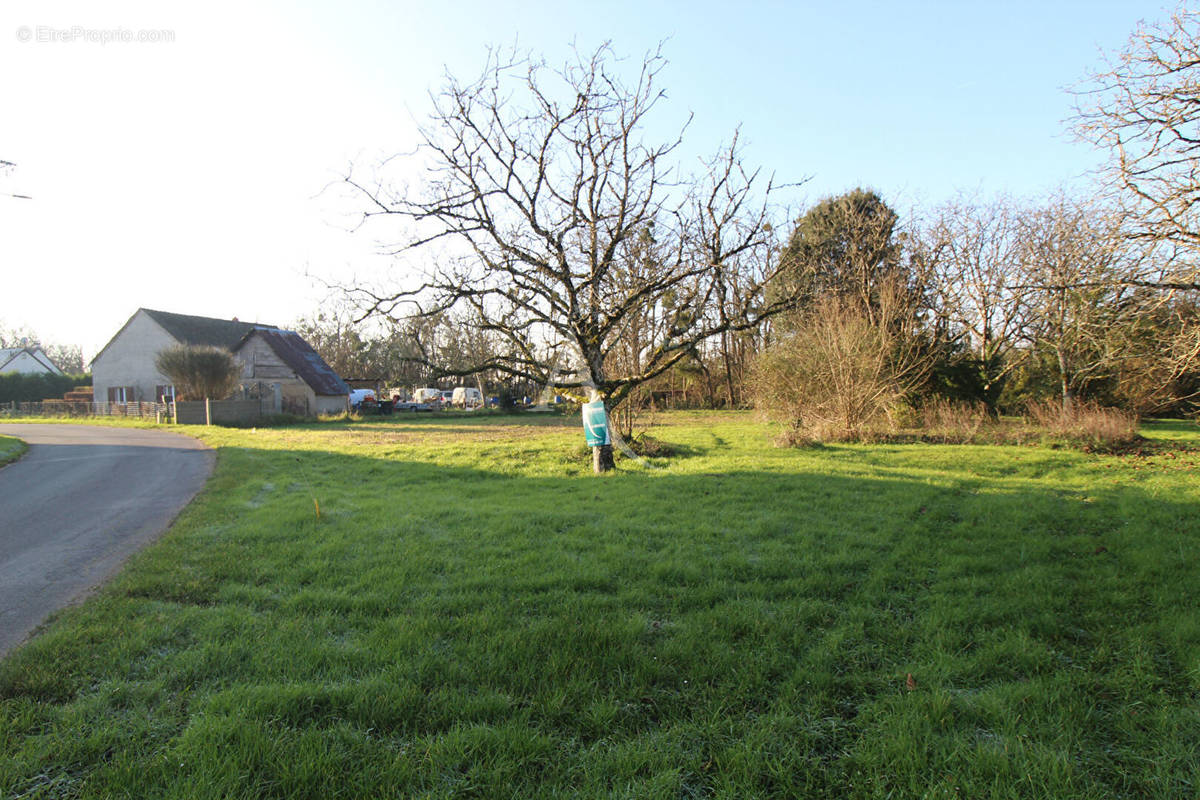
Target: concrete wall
point(224, 412)
point(129, 360)
point(332, 404)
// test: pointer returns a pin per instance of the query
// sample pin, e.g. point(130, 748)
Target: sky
point(187, 157)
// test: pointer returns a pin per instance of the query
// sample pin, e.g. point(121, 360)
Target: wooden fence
point(224, 412)
point(79, 408)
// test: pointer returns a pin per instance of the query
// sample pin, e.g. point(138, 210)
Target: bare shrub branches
point(838, 370)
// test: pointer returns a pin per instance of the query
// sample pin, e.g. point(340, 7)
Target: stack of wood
point(80, 394)
point(77, 402)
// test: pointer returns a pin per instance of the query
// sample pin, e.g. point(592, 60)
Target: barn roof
point(298, 354)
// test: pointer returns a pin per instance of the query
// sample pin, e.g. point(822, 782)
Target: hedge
point(32, 387)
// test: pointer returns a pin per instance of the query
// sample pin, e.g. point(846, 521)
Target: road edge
point(12, 455)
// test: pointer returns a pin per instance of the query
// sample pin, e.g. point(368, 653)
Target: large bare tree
point(1075, 268)
point(542, 189)
point(975, 251)
point(1143, 106)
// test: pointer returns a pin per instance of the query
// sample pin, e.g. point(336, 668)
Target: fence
point(224, 412)
point(81, 408)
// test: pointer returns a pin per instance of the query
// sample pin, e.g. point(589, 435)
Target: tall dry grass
point(1086, 426)
point(1084, 422)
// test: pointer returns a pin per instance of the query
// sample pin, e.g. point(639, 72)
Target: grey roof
point(188, 329)
point(298, 354)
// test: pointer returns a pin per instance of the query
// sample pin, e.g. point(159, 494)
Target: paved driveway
point(80, 502)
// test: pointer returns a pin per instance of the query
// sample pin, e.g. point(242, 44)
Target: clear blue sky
point(186, 173)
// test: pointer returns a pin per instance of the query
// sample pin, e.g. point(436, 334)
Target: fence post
point(207, 412)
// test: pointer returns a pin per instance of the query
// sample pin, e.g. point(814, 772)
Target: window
point(164, 393)
point(120, 394)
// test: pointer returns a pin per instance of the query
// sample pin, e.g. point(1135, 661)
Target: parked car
point(411, 405)
point(466, 397)
point(359, 396)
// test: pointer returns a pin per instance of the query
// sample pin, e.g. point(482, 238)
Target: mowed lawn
point(473, 614)
point(10, 449)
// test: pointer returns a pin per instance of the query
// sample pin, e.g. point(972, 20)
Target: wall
point(262, 364)
point(332, 404)
point(129, 360)
point(224, 412)
point(27, 364)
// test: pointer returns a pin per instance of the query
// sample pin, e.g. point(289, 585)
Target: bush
point(838, 374)
point(31, 388)
point(199, 372)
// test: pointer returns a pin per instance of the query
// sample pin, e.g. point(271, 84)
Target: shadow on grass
point(454, 630)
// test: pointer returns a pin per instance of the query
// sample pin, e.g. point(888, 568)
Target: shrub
point(837, 374)
point(199, 372)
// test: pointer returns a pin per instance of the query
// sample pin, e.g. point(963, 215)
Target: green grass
point(10, 449)
point(474, 615)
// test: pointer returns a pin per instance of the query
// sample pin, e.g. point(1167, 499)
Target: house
point(281, 358)
point(275, 363)
point(27, 360)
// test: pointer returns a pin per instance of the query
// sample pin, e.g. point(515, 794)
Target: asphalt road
point(81, 501)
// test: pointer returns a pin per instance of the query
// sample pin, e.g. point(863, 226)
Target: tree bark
point(1068, 396)
point(728, 369)
point(602, 458)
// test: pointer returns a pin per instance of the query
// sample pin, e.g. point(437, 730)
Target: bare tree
point(341, 344)
point(541, 185)
point(1159, 351)
point(1075, 268)
point(1143, 106)
point(975, 253)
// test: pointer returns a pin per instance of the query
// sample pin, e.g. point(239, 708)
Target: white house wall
point(24, 362)
point(129, 360)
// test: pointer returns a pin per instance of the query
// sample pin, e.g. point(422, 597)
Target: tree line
point(557, 242)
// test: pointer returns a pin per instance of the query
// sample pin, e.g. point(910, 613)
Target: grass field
point(473, 614)
point(10, 449)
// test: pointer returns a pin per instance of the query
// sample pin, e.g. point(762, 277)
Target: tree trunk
point(1068, 396)
point(728, 369)
point(602, 458)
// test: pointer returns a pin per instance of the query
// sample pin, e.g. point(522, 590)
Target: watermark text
point(47, 34)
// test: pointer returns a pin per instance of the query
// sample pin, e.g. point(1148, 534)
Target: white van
point(427, 395)
point(466, 397)
point(358, 396)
